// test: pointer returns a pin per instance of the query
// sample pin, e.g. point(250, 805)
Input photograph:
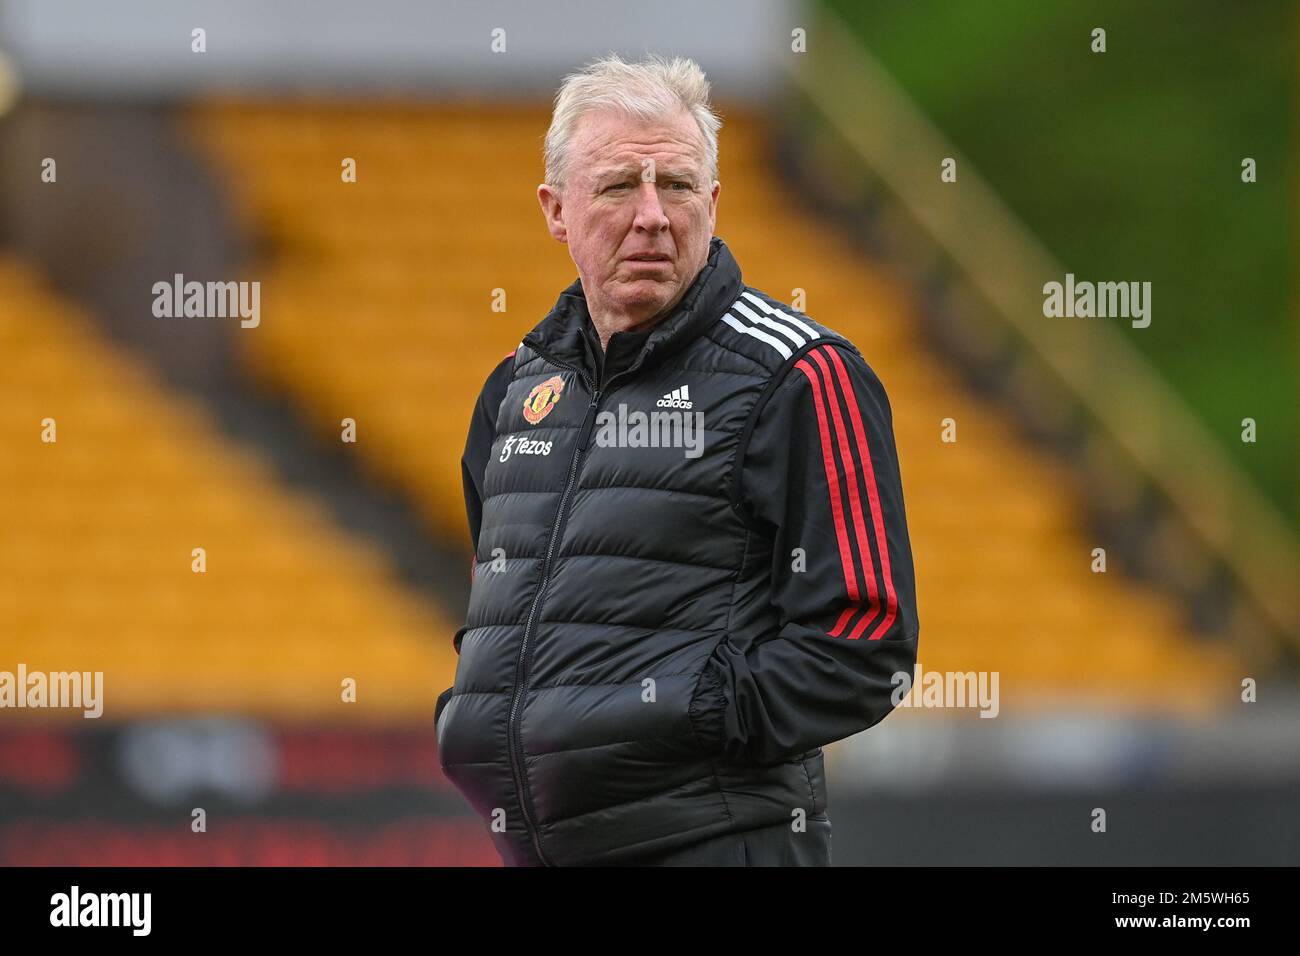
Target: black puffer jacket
point(666, 625)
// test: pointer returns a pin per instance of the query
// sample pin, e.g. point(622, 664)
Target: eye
point(681, 182)
point(621, 185)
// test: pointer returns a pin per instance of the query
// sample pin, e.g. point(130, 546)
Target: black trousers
point(778, 845)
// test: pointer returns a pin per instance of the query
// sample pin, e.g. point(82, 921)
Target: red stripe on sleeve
point(855, 501)
point(873, 495)
point(832, 479)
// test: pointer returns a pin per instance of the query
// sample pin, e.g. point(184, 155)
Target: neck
point(606, 325)
point(608, 319)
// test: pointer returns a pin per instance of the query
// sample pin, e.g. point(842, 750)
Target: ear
point(553, 209)
point(713, 207)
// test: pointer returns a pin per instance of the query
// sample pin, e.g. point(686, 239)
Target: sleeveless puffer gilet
point(604, 578)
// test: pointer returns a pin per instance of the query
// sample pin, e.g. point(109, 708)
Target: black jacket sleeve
point(478, 446)
point(820, 476)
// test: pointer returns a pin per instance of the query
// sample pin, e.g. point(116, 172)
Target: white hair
point(655, 88)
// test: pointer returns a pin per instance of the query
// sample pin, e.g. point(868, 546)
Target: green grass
point(1128, 165)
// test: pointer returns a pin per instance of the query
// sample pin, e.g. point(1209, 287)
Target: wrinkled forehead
point(611, 140)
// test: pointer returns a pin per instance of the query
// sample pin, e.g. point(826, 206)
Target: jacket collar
point(718, 284)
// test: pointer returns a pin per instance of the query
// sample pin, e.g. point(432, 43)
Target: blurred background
point(132, 149)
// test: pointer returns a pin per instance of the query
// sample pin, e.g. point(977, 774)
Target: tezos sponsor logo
point(524, 446)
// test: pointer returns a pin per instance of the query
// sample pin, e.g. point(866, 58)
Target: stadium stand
point(378, 306)
point(95, 561)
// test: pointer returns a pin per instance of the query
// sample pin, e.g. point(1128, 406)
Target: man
point(663, 634)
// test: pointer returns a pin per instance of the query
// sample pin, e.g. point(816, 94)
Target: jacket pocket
point(707, 713)
point(437, 710)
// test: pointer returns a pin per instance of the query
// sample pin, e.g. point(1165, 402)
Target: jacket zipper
point(513, 732)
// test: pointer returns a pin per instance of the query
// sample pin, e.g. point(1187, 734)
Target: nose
point(649, 211)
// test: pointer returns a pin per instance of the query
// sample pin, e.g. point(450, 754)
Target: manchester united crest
point(542, 399)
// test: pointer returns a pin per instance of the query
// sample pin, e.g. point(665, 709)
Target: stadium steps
point(376, 297)
point(95, 558)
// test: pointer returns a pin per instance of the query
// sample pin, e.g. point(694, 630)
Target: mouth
point(648, 257)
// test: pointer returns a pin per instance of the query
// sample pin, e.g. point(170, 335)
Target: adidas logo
point(677, 398)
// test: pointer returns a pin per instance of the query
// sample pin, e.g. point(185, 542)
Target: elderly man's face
point(637, 210)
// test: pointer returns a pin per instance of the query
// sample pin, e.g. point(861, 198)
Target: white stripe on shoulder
point(804, 326)
point(759, 334)
point(757, 319)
